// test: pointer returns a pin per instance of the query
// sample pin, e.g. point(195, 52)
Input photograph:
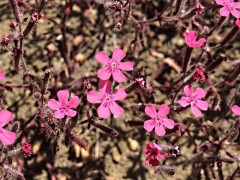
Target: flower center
point(113, 64)
point(107, 98)
point(229, 6)
point(64, 106)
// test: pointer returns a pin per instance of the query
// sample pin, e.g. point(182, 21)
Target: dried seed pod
point(132, 123)
point(104, 128)
point(34, 19)
point(230, 35)
point(45, 81)
point(15, 10)
point(79, 141)
point(212, 65)
point(13, 172)
point(186, 58)
point(16, 127)
point(178, 6)
point(233, 74)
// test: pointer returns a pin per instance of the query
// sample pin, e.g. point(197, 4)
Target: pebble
point(116, 156)
point(133, 144)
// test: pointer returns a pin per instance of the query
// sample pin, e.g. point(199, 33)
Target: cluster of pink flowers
point(153, 154)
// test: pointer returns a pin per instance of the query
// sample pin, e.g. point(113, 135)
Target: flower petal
point(94, 97)
point(224, 12)
point(118, 76)
point(103, 111)
point(102, 57)
point(105, 86)
point(126, 66)
point(169, 123)
point(184, 101)
point(236, 110)
point(200, 42)
point(7, 137)
point(151, 111)
point(118, 55)
point(220, 2)
point(120, 94)
point(159, 129)
point(63, 95)
point(5, 117)
point(188, 90)
point(59, 114)
point(2, 75)
point(70, 113)
point(196, 111)
point(199, 93)
point(163, 110)
point(236, 5)
point(53, 104)
point(235, 13)
point(202, 104)
point(104, 73)
point(149, 125)
point(74, 102)
point(116, 109)
point(238, 23)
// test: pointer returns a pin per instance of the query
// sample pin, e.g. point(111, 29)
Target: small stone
point(133, 144)
point(36, 147)
point(51, 47)
point(80, 58)
point(116, 156)
point(77, 40)
point(84, 153)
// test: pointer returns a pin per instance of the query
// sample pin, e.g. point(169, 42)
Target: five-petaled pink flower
point(191, 39)
point(229, 6)
point(107, 99)
point(113, 66)
point(236, 110)
point(153, 153)
point(7, 137)
point(63, 107)
point(193, 99)
point(158, 119)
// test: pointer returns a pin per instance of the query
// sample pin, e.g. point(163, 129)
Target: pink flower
point(238, 23)
point(153, 153)
point(7, 137)
point(199, 74)
point(229, 6)
point(2, 75)
point(158, 119)
point(191, 37)
point(236, 110)
point(113, 65)
point(107, 99)
point(63, 107)
point(193, 99)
